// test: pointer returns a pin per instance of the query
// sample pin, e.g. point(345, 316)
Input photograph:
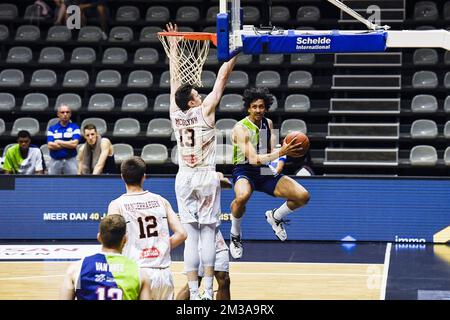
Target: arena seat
point(83, 55)
point(423, 155)
point(108, 79)
point(134, 102)
point(140, 79)
point(7, 101)
point(128, 14)
point(27, 33)
point(280, 14)
point(297, 103)
point(25, 123)
point(51, 55)
point(76, 79)
point(208, 78)
point(120, 34)
point(237, 79)
point(424, 79)
point(424, 129)
point(19, 55)
point(70, 99)
point(11, 78)
point(303, 58)
point(154, 153)
point(231, 102)
point(269, 79)
point(146, 56)
point(424, 103)
point(101, 102)
point(425, 56)
point(8, 12)
point(59, 34)
point(162, 102)
point(187, 14)
point(122, 151)
point(115, 56)
point(289, 125)
point(4, 32)
point(308, 14)
point(126, 127)
point(300, 79)
point(271, 59)
point(99, 123)
point(43, 78)
point(157, 15)
point(160, 128)
point(34, 102)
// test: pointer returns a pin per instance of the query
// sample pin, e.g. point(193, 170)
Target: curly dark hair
point(253, 94)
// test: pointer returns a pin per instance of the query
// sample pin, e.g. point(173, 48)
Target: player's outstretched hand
point(291, 148)
point(172, 28)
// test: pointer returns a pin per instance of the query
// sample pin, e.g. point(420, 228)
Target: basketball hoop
point(187, 51)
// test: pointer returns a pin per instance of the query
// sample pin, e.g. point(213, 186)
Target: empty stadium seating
point(120, 80)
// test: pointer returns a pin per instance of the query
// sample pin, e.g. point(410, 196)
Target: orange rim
point(206, 36)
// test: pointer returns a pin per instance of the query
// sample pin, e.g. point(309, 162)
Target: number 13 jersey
point(196, 138)
point(147, 228)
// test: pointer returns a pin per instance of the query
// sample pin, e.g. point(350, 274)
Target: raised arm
point(241, 138)
point(212, 100)
point(174, 83)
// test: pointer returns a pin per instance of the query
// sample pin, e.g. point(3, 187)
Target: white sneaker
point(206, 296)
point(198, 296)
point(236, 248)
point(277, 225)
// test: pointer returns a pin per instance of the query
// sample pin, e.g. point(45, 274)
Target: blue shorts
point(260, 182)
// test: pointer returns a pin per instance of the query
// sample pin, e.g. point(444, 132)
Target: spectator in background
point(22, 158)
point(60, 12)
point(62, 141)
point(96, 155)
point(85, 5)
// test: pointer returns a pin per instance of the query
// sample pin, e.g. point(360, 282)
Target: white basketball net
point(187, 58)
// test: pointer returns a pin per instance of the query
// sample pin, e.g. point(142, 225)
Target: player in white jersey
point(197, 185)
point(222, 263)
point(149, 218)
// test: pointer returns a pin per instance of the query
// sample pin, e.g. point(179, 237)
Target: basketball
point(299, 137)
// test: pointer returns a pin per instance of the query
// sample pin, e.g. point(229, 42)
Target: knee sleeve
point(208, 244)
point(191, 254)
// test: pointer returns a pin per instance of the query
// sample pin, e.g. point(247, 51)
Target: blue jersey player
point(107, 275)
point(253, 140)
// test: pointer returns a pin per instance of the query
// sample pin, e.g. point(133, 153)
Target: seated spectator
point(96, 155)
point(22, 158)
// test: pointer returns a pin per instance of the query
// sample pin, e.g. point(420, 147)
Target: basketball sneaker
point(198, 296)
point(236, 248)
point(277, 225)
point(206, 296)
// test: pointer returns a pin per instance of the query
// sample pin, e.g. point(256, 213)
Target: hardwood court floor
point(249, 280)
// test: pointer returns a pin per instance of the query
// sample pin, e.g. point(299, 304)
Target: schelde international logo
point(313, 43)
point(151, 253)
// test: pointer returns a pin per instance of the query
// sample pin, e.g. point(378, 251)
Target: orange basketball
point(299, 137)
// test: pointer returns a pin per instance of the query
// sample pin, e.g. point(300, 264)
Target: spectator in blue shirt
point(62, 141)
